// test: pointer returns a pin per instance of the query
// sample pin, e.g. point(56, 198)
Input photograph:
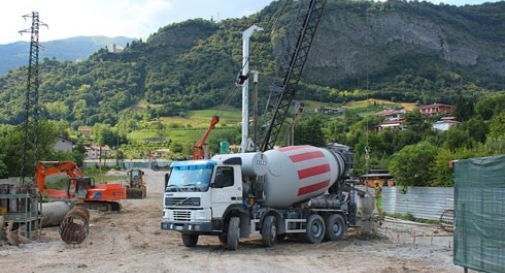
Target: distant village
point(393, 119)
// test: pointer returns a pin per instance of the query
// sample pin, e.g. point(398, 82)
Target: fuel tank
point(298, 173)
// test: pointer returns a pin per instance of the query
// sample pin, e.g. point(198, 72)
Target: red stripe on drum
point(313, 187)
point(293, 148)
point(313, 171)
point(306, 156)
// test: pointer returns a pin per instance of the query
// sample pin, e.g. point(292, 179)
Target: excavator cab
point(79, 187)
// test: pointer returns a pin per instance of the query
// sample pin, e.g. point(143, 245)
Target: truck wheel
point(269, 231)
point(233, 233)
point(222, 238)
point(315, 229)
point(189, 240)
point(335, 227)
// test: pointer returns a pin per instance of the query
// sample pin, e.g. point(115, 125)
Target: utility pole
point(32, 93)
point(255, 108)
point(246, 36)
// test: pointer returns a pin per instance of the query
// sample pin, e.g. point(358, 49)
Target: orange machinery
point(101, 196)
point(198, 147)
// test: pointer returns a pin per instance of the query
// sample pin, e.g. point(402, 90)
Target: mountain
point(410, 51)
point(14, 55)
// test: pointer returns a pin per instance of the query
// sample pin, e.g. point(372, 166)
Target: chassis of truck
point(288, 191)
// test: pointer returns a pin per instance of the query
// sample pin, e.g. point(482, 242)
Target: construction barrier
point(421, 202)
point(479, 237)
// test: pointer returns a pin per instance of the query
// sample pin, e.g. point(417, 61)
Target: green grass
point(109, 178)
point(364, 104)
point(201, 118)
point(310, 105)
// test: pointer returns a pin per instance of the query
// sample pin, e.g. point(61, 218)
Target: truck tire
point(335, 227)
point(222, 238)
point(233, 233)
point(189, 240)
point(269, 231)
point(315, 229)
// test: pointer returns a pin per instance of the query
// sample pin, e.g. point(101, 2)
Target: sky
point(130, 18)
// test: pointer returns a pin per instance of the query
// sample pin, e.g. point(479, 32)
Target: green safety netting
point(479, 204)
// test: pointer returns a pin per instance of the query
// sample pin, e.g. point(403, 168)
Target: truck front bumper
point(194, 227)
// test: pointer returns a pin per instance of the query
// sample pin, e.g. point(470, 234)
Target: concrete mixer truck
point(286, 191)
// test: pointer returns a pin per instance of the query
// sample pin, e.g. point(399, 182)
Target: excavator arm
point(198, 147)
point(45, 168)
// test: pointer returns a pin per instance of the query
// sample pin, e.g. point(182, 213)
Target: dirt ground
point(132, 241)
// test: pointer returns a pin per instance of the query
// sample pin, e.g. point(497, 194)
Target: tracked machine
point(80, 189)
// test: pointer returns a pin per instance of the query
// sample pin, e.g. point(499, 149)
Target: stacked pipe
point(75, 226)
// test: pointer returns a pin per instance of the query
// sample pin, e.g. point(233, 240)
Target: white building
point(93, 152)
point(444, 124)
point(63, 145)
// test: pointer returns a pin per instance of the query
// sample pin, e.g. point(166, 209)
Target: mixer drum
point(298, 173)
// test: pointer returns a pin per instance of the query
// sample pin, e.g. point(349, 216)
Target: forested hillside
point(411, 51)
point(14, 55)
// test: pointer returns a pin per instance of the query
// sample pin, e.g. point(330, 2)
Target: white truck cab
point(198, 193)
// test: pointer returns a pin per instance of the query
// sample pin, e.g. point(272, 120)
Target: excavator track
point(101, 206)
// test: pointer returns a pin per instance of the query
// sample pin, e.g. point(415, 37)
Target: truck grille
point(182, 201)
point(182, 215)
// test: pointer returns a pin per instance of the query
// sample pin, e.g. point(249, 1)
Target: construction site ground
point(132, 241)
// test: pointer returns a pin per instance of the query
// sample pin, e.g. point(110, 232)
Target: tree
point(487, 107)
point(477, 129)
point(441, 170)
point(456, 137)
point(411, 166)
point(57, 110)
point(464, 109)
point(497, 125)
point(3, 167)
point(11, 143)
point(414, 121)
point(310, 131)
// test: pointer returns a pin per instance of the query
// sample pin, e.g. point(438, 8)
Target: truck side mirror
point(167, 177)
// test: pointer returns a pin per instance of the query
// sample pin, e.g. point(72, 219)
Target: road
point(131, 241)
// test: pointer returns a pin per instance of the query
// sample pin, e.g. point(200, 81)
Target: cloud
point(131, 18)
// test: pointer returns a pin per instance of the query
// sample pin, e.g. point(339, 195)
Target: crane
point(198, 147)
point(282, 96)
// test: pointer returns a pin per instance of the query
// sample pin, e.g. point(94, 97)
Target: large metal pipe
point(75, 226)
point(54, 212)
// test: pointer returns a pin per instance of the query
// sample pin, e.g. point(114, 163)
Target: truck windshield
point(190, 178)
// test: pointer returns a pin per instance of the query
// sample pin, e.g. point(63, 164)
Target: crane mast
point(279, 101)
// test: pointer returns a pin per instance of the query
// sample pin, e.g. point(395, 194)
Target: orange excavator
point(198, 152)
point(79, 188)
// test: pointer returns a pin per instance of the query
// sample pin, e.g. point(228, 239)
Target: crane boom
point(280, 101)
point(198, 147)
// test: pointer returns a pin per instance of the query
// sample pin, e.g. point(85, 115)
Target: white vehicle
point(291, 190)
